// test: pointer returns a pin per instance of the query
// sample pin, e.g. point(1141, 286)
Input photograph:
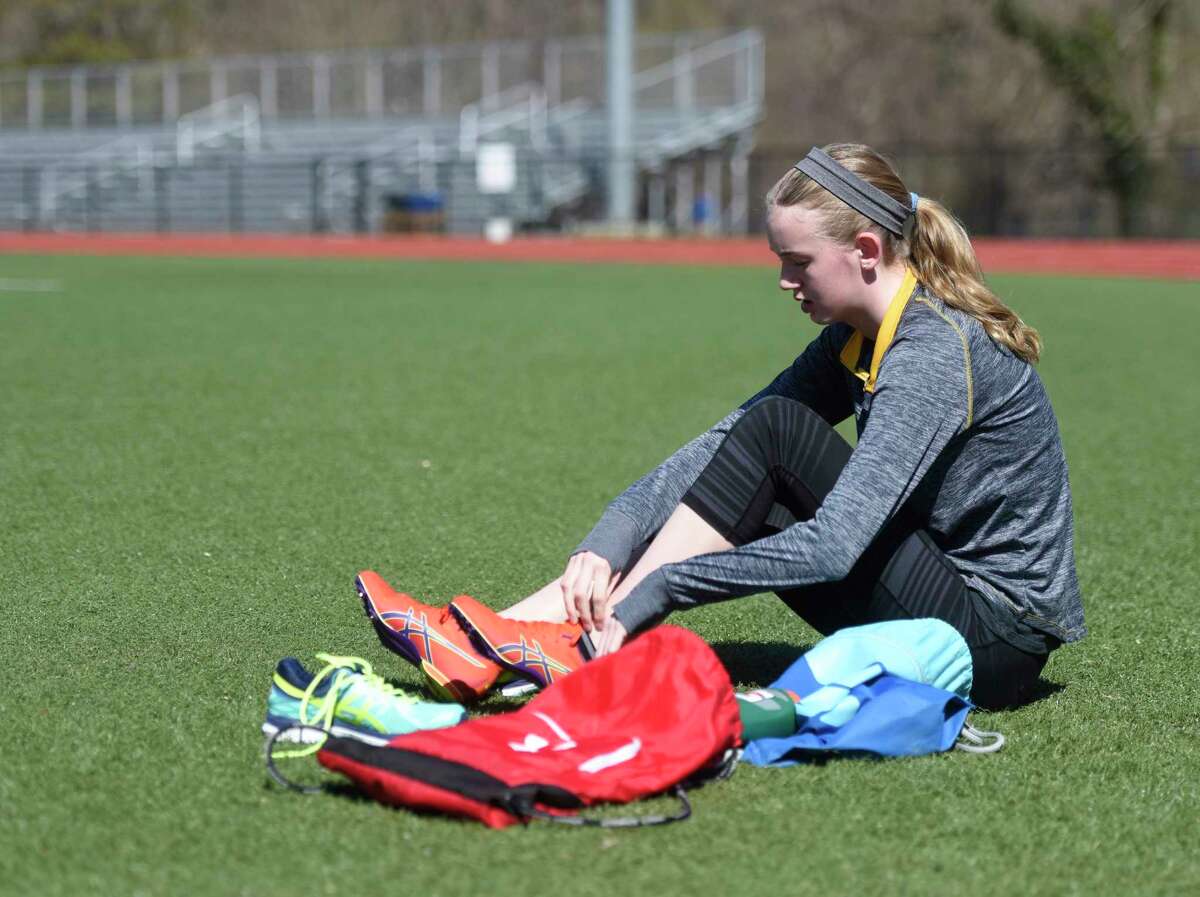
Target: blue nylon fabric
point(886, 716)
point(889, 689)
point(927, 650)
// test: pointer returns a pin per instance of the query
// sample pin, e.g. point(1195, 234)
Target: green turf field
point(198, 455)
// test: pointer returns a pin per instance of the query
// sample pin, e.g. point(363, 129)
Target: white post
point(712, 193)
point(374, 86)
point(431, 81)
point(468, 130)
point(739, 202)
point(124, 97)
point(537, 120)
point(657, 200)
point(48, 185)
point(622, 173)
point(33, 100)
point(184, 142)
point(757, 74)
point(742, 74)
point(682, 75)
point(251, 142)
point(684, 196)
point(427, 172)
point(170, 85)
point(145, 169)
point(320, 86)
point(268, 87)
point(489, 76)
point(79, 99)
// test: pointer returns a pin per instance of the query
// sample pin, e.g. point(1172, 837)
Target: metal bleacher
point(320, 142)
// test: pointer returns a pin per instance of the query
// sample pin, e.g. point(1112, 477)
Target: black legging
point(775, 467)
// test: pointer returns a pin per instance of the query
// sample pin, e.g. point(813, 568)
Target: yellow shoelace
point(346, 672)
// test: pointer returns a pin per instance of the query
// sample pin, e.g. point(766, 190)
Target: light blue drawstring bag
point(928, 651)
point(896, 688)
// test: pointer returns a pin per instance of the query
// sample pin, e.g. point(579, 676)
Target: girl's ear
point(870, 250)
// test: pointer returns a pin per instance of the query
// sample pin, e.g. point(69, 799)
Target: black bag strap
point(448, 775)
point(273, 770)
point(524, 801)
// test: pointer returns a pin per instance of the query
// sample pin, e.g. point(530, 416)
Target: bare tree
point(1114, 70)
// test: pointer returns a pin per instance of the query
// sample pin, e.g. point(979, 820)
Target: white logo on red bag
point(534, 743)
point(531, 745)
point(623, 754)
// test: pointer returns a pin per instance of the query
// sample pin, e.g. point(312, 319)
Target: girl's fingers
point(569, 578)
point(584, 604)
point(586, 584)
point(599, 593)
point(611, 639)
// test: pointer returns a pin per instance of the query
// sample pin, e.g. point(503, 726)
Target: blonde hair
point(939, 249)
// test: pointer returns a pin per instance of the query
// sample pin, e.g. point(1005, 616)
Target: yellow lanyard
point(852, 351)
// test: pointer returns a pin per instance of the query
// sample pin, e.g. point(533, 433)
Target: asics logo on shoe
point(361, 716)
point(414, 628)
point(532, 657)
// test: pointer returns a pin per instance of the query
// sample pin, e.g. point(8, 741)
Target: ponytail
point(941, 254)
point(938, 248)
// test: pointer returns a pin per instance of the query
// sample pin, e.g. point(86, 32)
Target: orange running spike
point(429, 637)
point(542, 652)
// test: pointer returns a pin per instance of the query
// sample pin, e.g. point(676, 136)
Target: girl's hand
point(586, 585)
point(612, 638)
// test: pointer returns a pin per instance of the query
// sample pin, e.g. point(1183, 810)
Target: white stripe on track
point(16, 285)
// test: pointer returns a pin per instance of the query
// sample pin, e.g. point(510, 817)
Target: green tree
point(65, 32)
point(1115, 75)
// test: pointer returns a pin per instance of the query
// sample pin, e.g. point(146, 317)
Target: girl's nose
point(788, 277)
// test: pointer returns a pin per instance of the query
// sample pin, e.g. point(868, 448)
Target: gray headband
point(854, 191)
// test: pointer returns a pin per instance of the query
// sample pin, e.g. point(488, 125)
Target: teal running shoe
point(346, 698)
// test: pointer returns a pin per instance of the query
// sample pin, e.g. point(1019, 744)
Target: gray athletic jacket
point(950, 426)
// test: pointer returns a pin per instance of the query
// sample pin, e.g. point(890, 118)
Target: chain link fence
point(1027, 192)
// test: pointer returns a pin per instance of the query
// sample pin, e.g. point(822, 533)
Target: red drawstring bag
point(625, 726)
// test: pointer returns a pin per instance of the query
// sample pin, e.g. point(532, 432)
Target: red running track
point(1102, 258)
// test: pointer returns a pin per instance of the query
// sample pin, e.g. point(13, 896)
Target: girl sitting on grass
point(954, 503)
